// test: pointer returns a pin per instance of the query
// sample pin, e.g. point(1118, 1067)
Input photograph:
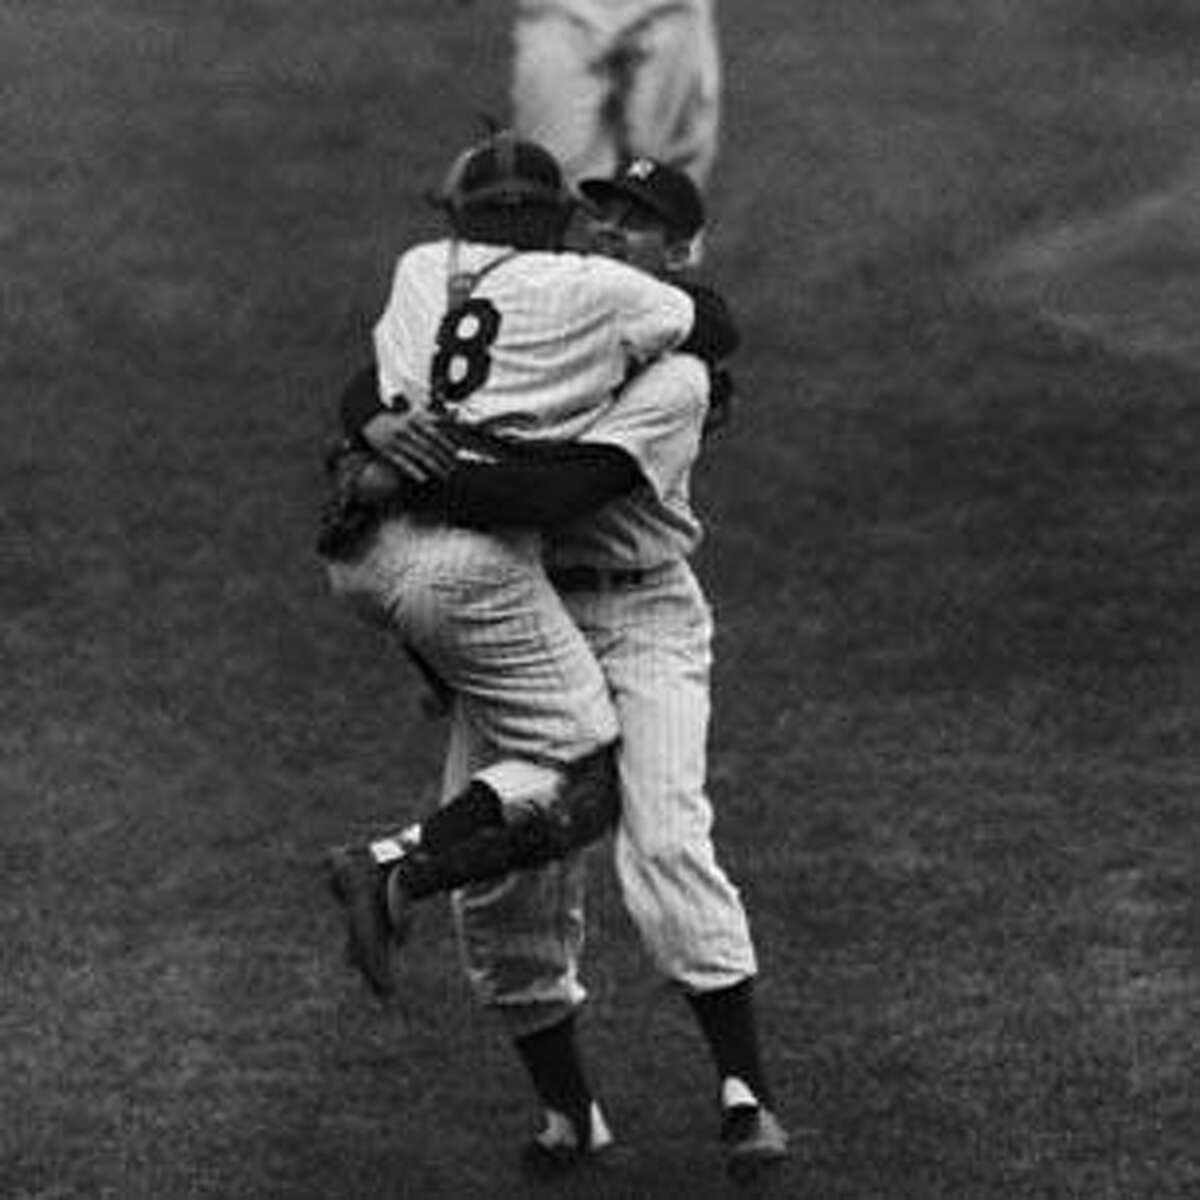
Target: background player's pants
point(522, 938)
point(595, 96)
point(480, 611)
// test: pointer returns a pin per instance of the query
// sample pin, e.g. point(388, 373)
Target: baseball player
point(511, 342)
point(624, 576)
point(600, 82)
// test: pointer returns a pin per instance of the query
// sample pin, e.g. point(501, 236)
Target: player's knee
point(662, 851)
point(592, 789)
point(586, 808)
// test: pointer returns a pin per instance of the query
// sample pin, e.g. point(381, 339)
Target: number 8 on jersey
point(463, 359)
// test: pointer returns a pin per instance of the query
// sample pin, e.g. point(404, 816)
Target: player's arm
point(651, 317)
point(533, 486)
point(714, 337)
point(656, 316)
point(539, 488)
point(714, 334)
point(650, 438)
point(409, 438)
point(360, 402)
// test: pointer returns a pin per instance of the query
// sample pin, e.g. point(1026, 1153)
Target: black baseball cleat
point(360, 885)
point(558, 1150)
point(754, 1141)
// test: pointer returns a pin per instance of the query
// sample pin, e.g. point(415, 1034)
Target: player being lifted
point(512, 342)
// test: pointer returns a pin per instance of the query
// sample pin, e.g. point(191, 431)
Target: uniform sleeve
point(390, 330)
point(714, 336)
point(564, 484)
point(359, 402)
point(657, 420)
point(652, 316)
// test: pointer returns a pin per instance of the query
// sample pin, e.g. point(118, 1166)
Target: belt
point(597, 579)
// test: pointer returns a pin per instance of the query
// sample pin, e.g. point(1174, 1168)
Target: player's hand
point(414, 442)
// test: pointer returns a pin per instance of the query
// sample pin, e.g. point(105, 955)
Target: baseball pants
point(596, 98)
point(522, 936)
point(479, 610)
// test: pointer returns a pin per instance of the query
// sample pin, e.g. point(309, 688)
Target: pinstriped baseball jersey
point(657, 421)
point(548, 339)
point(540, 346)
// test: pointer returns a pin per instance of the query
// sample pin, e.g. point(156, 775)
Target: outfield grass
point(951, 552)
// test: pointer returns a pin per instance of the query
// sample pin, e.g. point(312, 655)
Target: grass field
point(951, 548)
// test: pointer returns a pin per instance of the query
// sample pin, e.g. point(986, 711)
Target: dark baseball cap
point(503, 170)
point(666, 191)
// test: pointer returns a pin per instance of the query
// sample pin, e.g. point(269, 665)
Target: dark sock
point(551, 1056)
point(728, 1022)
point(477, 807)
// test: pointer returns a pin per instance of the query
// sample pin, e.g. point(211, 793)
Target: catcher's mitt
point(362, 489)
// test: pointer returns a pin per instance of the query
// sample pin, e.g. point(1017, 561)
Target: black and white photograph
point(600, 599)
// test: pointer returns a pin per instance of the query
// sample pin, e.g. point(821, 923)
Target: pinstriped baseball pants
point(667, 104)
point(480, 611)
point(522, 936)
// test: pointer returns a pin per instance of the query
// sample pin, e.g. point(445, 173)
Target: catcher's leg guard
point(582, 813)
point(475, 808)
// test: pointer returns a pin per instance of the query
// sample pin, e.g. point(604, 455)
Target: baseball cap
point(666, 191)
point(503, 170)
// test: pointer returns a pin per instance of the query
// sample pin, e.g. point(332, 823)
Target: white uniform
point(545, 338)
point(601, 81)
point(523, 935)
point(535, 354)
